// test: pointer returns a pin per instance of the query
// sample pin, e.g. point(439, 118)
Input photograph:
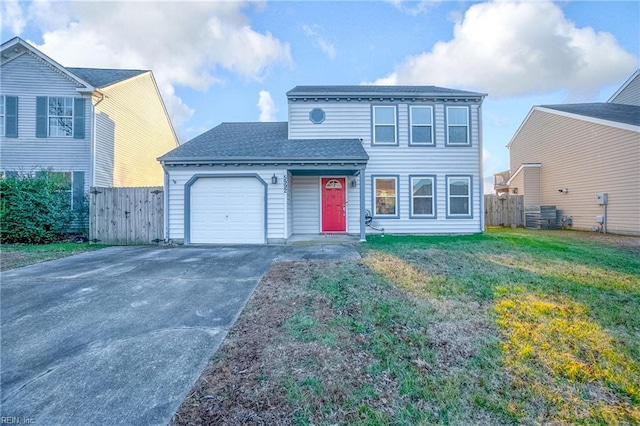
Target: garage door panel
point(227, 210)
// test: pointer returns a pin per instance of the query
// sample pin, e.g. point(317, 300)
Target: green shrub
point(35, 210)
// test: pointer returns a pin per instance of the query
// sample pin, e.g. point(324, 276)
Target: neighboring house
point(410, 155)
point(97, 127)
point(564, 155)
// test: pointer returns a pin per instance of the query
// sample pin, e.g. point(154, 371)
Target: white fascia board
point(521, 168)
point(515, 135)
point(608, 123)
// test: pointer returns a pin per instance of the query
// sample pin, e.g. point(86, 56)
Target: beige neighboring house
point(95, 127)
point(569, 155)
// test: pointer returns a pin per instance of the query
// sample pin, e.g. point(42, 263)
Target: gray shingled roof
point(263, 142)
point(99, 77)
point(372, 90)
point(619, 113)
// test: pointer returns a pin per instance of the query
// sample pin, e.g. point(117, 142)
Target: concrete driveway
point(119, 336)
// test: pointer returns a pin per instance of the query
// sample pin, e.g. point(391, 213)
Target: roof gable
point(629, 92)
point(614, 113)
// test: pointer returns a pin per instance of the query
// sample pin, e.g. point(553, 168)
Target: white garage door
point(227, 210)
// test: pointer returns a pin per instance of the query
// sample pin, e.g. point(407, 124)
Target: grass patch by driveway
point(510, 327)
point(18, 255)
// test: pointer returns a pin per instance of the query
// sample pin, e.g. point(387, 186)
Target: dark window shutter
point(78, 118)
point(11, 116)
point(78, 190)
point(41, 117)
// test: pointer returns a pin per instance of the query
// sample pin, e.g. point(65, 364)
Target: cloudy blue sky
point(234, 61)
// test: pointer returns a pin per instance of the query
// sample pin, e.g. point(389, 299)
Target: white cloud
point(513, 48)
point(314, 32)
point(12, 16)
point(267, 107)
point(183, 43)
point(413, 7)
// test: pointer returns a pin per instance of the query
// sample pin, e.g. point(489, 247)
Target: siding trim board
point(187, 198)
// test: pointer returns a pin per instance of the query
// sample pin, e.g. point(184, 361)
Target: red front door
point(334, 209)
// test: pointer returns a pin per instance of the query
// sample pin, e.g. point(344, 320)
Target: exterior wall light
point(274, 179)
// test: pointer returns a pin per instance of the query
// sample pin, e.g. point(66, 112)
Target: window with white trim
point(385, 189)
point(459, 196)
point(457, 125)
point(422, 196)
point(384, 125)
point(421, 125)
point(60, 116)
point(2, 115)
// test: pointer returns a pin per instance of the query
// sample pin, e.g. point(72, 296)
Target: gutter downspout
point(94, 135)
point(166, 204)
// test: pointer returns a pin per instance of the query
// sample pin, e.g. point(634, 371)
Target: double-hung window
point(385, 190)
point(421, 125)
point(423, 196)
point(60, 116)
point(384, 125)
point(459, 196)
point(458, 126)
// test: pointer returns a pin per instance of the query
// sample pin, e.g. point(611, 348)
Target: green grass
point(18, 255)
point(509, 327)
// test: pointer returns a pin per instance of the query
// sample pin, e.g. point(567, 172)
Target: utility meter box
point(600, 219)
point(602, 198)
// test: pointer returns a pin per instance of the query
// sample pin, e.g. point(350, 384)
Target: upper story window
point(60, 116)
point(384, 125)
point(459, 196)
point(421, 125)
point(458, 126)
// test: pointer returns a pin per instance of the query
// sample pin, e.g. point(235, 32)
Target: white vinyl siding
point(384, 125)
point(421, 131)
point(28, 78)
point(457, 126)
point(306, 204)
point(2, 115)
point(353, 120)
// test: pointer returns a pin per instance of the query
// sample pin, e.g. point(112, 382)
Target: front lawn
point(17, 255)
point(510, 327)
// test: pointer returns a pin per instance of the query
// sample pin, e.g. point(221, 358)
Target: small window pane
point(423, 205)
point(420, 115)
point(386, 134)
point(457, 134)
point(459, 187)
point(423, 187)
point(385, 187)
point(459, 205)
point(457, 116)
point(421, 134)
point(385, 115)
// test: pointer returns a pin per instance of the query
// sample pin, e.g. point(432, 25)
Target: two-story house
point(96, 127)
point(584, 159)
point(410, 156)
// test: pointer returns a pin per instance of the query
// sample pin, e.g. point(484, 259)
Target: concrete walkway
point(119, 336)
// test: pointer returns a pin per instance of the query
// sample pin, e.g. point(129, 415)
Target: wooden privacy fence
point(126, 216)
point(504, 210)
